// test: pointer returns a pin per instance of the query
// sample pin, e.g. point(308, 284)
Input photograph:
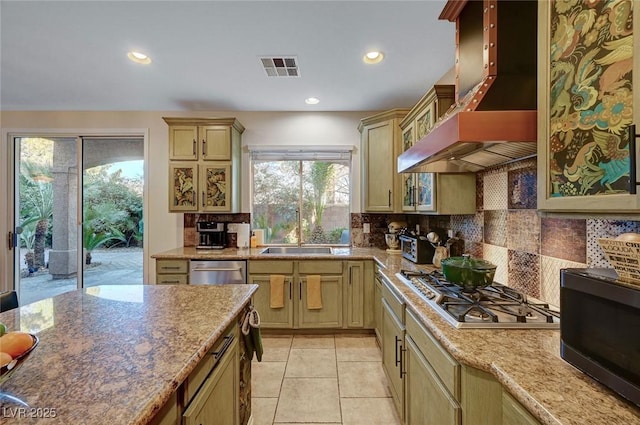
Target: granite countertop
point(526, 361)
point(190, 252)
point(114, 354)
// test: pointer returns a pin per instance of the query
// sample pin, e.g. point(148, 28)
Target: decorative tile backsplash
point(506, 230)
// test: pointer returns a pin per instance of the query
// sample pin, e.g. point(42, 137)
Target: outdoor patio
point(116, 266)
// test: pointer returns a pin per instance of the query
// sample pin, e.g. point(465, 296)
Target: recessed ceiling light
point(139, 57)
point(373, 57)
point(312, 101)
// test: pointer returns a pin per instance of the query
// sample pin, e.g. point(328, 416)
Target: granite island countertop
point(114, 354)
point(526, 362)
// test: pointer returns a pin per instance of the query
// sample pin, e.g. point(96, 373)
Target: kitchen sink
point(297, 250)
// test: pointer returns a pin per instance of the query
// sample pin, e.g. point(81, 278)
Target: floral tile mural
point(591, 96)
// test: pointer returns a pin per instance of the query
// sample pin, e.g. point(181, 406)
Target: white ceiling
point(71, 55)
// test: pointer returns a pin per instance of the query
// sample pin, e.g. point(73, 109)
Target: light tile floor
point(329, 380)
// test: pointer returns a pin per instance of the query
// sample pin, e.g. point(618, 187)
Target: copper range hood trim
point(471, 126)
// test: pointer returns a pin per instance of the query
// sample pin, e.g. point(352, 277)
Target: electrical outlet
point(366, 227)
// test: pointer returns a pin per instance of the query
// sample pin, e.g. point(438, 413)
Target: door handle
point(397, 341)
point(204, 148)
point(290, 289)
point(194, 147)
point(633, 168)
point(402, 350)
point(203, 199)
point(12, 238)
point(300, 290)
point(389, 197)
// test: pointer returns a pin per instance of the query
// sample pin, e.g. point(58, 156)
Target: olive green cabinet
point(204, 164)
point(347, 293)
point(423, 384)
point(170, 272)
point(211, 392)
point(392, 331)
point(377, 306)
point(359, 295)
point(431, 374)
point(260, 274)
point(217, 399)
point(295, 313)
point(513, 413)
point(381, 145)
point(584, 160)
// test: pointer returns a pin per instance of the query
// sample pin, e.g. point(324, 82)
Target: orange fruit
point(5, 359)
point(15, 343)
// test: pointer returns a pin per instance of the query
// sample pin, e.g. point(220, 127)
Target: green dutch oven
point(468, 273)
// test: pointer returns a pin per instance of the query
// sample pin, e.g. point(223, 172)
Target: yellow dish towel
point(276, 296)
point(314, 292)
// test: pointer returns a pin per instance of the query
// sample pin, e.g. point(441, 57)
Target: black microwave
point(600, 328)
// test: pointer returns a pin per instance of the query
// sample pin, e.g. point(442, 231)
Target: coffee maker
point(212, 235)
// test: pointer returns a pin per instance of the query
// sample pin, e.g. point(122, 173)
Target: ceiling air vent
point(281, 66)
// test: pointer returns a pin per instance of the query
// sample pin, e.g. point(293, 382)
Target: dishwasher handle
point(216, 269)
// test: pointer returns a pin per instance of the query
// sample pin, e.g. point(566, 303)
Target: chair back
point(8, 300)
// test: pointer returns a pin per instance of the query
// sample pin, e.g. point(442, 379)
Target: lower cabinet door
point(217, 401)
point(377, 308)
point(330, 315)
point(427, 400)
point(392, 355)
point(281, 318)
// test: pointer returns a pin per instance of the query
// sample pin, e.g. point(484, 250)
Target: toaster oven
point(416, 249)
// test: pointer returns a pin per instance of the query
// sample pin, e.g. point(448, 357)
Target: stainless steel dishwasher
point(219, 272)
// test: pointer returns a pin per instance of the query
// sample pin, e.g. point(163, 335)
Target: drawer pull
point(170, 267)
point(170, 281)
point(218, 354)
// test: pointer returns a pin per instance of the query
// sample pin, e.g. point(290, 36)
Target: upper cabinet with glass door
point(420, 189)
point(587, 105)
point(211, 182)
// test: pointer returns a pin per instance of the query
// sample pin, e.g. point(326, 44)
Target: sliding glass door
point(68, 238)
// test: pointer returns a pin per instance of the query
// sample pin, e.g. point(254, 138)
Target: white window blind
point(301, 153)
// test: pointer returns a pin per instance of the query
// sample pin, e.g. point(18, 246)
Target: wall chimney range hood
point(494, 118)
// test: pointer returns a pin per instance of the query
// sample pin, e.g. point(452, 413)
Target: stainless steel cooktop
point(495, 306)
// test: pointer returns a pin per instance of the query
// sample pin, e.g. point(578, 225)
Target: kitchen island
point(115, 354)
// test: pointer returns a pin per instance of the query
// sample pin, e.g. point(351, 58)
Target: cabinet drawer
point(443, 364)
point(172, 266)
point(270, 267)
point(513, 413)
point(394, 302)
point(171, 279)
point(320, 267)
point(202, 370)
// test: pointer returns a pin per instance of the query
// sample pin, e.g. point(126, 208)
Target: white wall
point(165, 230)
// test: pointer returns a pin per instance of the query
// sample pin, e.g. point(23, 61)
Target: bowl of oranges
point(15, 347)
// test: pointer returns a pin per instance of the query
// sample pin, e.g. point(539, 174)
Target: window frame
point(300, 154)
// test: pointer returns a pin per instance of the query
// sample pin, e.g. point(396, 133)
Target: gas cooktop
point(495, 306)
